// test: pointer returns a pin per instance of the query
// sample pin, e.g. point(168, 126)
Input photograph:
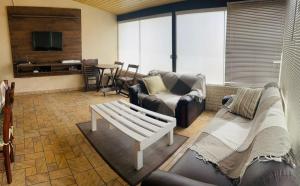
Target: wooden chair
point(6, 134)
point(90, 74)
point(123, 82)
point(116, 74)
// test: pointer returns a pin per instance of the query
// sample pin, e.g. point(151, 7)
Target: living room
point(150, 92)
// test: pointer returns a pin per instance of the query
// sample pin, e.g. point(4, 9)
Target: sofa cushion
point(191, 167)
point(154, 84)
point(245, 102)
point(164, 102)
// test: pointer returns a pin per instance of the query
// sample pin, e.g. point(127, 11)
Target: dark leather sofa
point(190, 171)
point(187, 108)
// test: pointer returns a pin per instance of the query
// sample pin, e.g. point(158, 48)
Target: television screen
point(47, 41)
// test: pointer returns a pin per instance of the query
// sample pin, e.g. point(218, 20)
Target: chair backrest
point(119, 69)
point(89, 67)
point(7, 111)
point(134, 68)
point(90, 62)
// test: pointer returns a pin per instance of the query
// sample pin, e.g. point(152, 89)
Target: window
point(156, 44)
point(201, 43)
point(254, 42)
point(146, 42)
point(128, 42)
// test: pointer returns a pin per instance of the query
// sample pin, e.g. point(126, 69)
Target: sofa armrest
point(188, 109)
point(161, 178)
point(133, 93)
point(269, 173)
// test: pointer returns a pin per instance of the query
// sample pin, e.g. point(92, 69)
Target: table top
point(136, 125)
point(106, 66)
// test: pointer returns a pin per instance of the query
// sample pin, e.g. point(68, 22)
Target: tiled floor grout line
point(46, 122)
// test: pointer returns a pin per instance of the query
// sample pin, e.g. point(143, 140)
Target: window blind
point(290, 73)
point(254, 42)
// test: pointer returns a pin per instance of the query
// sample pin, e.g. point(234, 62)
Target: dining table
point(102, 68)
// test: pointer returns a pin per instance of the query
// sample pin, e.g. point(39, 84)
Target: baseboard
point(47, 91)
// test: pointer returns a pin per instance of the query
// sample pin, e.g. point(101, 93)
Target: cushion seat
point(191, 167)
point(163, 102)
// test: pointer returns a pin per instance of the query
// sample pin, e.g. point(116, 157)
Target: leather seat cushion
point(191, 167)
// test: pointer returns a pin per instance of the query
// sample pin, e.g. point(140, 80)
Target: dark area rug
point(117, 150)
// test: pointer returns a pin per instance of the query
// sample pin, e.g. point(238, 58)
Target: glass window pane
point(156, 44)
point(128, 42)
point(201, 44)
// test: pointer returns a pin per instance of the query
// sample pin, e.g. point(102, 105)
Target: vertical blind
point(290, 73)
point(254, 42)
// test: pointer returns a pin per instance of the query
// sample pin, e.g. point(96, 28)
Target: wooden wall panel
point(25, 20)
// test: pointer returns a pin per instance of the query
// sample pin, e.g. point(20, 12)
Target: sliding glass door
point(201, 44)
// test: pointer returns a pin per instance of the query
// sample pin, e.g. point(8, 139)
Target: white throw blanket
point(238, 132)
point(232, 142)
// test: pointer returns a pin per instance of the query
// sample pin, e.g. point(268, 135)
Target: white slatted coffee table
point(136, 124)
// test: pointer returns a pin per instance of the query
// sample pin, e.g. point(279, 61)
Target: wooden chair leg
point(12, 152)
point(7, 163)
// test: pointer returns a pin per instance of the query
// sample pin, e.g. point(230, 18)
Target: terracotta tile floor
point(50, 149)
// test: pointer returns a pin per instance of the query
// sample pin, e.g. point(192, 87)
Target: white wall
point(99, 40)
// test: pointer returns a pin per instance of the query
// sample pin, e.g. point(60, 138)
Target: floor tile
point(89, 177)
point(79, 164)
point(38, 178)
point(60, 173)
point(51, 150)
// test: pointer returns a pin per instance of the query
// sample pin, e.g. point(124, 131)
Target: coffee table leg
point(139, 160)
point(94, 120)
point(170, 134)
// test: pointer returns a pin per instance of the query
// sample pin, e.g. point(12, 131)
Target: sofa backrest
point(270, 106)
point(181, 84)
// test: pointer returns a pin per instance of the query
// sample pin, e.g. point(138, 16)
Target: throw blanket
point(233, 143)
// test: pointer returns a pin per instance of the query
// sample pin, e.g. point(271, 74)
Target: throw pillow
point(154, 84)
point(246, 101)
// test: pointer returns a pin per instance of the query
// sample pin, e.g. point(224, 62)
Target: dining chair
point(6, 131)
point(128, 79)
point(116, 74)
point(90, 74)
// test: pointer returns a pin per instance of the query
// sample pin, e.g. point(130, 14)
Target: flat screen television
point(47, 41)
